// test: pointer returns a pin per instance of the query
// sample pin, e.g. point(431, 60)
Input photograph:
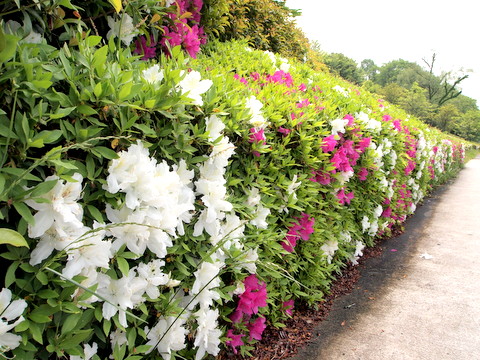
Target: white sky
point(409, 29)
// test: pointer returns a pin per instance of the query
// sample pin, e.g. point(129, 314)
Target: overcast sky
point(409, 29)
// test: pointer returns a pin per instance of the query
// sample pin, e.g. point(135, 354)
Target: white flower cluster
point(255, 108)
point(329, 249)
point(371, 226)
point(122, 28)
point(340, 90)
point(193, 86)
point(370, 124)
point(338, 126)
point(10, 316)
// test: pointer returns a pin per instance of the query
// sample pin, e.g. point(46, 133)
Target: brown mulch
point(282, 343)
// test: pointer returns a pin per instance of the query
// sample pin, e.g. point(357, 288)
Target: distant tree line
point(435, 99)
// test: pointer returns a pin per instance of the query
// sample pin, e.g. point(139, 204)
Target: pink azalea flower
point(303, 103)
point(397, 125)
point(387, 212)
point(234, 340)
point(329, 143)
point(284, 131)
point(256, 328)
point(386, 118)
point(363, 144)
point(254, 296)
point(350, 119)
point(321, 177)
point(343, 197)
point(302, 87)
point(288, 307)
point(241, 79)
point(141, 47)
point(362, 174)
point(410, 167)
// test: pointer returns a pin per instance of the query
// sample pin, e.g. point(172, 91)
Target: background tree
point(369, 68)
point(415, 102)
point(345, 67)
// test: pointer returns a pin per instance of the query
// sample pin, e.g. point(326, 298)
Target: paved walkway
point(421, 299)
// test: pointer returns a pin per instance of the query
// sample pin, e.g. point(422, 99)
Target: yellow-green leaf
point(117, 4)
point(11, 237)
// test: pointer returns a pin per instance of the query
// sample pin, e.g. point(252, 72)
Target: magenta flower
point(302, 87)
point(288, 307)
point(235, 340)
point(329, 143)
point(343, 197)
point(303, 103)
point(397, 125)
point(254, 296)
point(141, 47)
point(257, 135)
point(284, 131)
point(387, 212)
point(302, 229)
point(386, 118)
point(321, 177)
point(363, 145)
point(256, 328)
point(350, 119)
point(241, 79)
point(362, 174)
point(410, 167)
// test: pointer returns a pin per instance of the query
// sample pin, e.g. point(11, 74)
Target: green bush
point(170, 209)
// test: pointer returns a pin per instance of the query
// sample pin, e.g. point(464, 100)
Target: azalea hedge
point(174, 207)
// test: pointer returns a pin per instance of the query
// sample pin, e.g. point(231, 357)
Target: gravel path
point(420, 299)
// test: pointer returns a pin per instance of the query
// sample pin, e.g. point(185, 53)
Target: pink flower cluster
point(302, 229)
point(345, 154)
point(184, 30)
point(253, 298)
point(257, 136)
point(344, 197)
point(142, 48)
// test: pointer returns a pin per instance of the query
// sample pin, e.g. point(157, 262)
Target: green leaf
point(42, 84)
point(43, 188)
point(10, 274)
point(96, 214)
point(125, 91)
point(63, 164)
point(10, 47)
point(11, 237)
point(105, 152)
point(47, 294)
point(62, 112)
point(145, 129)
point(42, 277)
point(93, 40)
point(98, 90)
point(123, 265)
point(99, 60)
point(86, 110)
point(36, 330)
point(71, 322)
point(24, 325)
point(24, 212)
point(76, 339)
point(38, 317)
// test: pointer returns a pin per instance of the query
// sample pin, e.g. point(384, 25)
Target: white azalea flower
point(249, 261)
point(260, 217)
point(193, 86)
point(214, 127)
point(123, 27)
point(62, 207)
point(206, 279)
point(373, 228)
point(154, 277)
point(338, 126)
point(359, 246)
point(254, 106)
point(207, 337)
point(90, 251)
point(166, 336)
point(153, 74)
point(365, 224)
point(340, 90)
point(378, 211)
point(88, 350)
point(125, 292)
point(329, 249)
point(254, 197)
point(118, 337)
point(10, 311)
